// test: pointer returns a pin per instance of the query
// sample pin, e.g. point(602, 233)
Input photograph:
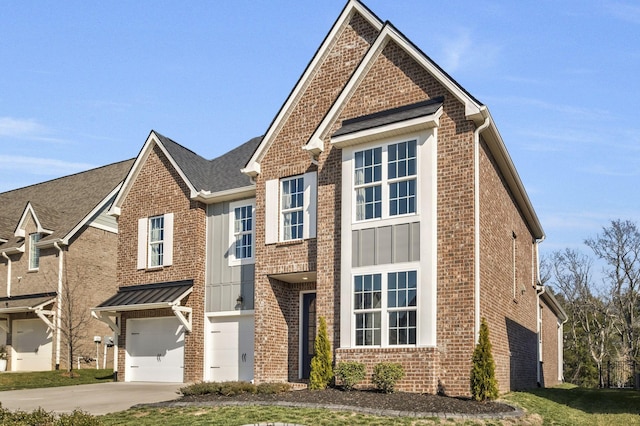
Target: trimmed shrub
point(201, 388)
point(484, 385)
point(350, 373)
point(273, 388)
point(321, 369)
point(236, 388)
point(386, 375)
point(42, 417)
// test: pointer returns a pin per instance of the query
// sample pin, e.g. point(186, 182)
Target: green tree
point(484, 385)
point(321, 369)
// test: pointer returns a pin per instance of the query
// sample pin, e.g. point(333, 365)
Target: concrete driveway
point(100, 398)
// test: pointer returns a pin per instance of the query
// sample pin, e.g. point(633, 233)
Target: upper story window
point(34, 252)
point(385, 181)
point(290, 208)
point(155, 241)
point(368, 183)
point(241, 232)
point(385, 309)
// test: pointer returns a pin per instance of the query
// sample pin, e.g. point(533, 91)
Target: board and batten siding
point(225, 283)
point(386, 244)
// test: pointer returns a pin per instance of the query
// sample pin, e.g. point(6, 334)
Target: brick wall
point(549, 347)
point(157, 190)
point(89, 265)
point(511, 315)
point(275, 323)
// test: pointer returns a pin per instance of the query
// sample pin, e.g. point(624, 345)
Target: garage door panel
point(155, 350)
point(231, 349)
point(33, 345)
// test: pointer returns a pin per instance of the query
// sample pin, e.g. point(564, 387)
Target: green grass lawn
point(570, 405)
point(48, 379)
point(567, 405)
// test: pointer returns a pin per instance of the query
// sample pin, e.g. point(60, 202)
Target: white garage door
point(231, 349)
point(155, 350)
point(32, 343)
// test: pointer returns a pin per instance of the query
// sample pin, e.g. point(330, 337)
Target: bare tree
point(619, 247)
point(75, 317)
point(590, 324)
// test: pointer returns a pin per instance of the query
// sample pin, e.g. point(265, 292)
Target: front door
point(308, 332)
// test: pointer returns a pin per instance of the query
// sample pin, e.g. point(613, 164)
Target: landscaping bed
point(370, 399)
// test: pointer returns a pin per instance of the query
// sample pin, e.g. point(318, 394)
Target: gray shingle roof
point(145, 294)
point(221, 173)
point(390, 116)
point(60, 204)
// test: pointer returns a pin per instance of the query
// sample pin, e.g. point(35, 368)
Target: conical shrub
point(321, 369)
point(484, 385)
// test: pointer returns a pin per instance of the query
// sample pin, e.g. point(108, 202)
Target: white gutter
point(59, 303)
point(476, 220)
point(208, 197)
point(8, 273)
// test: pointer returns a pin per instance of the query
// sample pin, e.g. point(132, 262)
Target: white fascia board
point(228, 195)
point(499, 151)
point(13, 250)
point(137, 166)
point(471, 106)
point(28, 210)
point(139, 307)
point(353, 6)
point(394, 129)
point(388, 33)
point(85, 220)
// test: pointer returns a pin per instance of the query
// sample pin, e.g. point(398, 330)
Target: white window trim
point(426, 214)
point(284, 211)
point(34, 251)
point(144, 252)
point(233, 261)
point(273, 214)
point(385, 182)
point(151, 243)
point(384, 270)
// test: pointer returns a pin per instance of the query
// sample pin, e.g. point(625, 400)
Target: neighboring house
point(57, 260)
point(381, 198)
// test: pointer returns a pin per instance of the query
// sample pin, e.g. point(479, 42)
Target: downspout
point(476, 219)
point(8, 273)
point(541, 289)
point(59, 304)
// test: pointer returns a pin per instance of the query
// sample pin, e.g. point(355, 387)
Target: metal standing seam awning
point(146, 296)
point(27, 303)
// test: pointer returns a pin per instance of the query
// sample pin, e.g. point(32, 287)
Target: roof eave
point(207, 197)
point(505, 164)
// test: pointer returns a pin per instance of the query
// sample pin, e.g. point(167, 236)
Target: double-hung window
point(368, 183)
point(242, 232)
point(292, 208)
point(385, 181)
point(401, 175)
point(155, 241)
point(34, 252)
point(385, 309)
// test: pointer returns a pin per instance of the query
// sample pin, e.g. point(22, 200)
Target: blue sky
point(83, 83)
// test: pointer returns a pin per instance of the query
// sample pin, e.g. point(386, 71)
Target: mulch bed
point(399, 401)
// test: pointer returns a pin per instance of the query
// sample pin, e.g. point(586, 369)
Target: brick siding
point(158, 189)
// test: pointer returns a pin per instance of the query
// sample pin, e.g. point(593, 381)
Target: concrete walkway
point(97, 399)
